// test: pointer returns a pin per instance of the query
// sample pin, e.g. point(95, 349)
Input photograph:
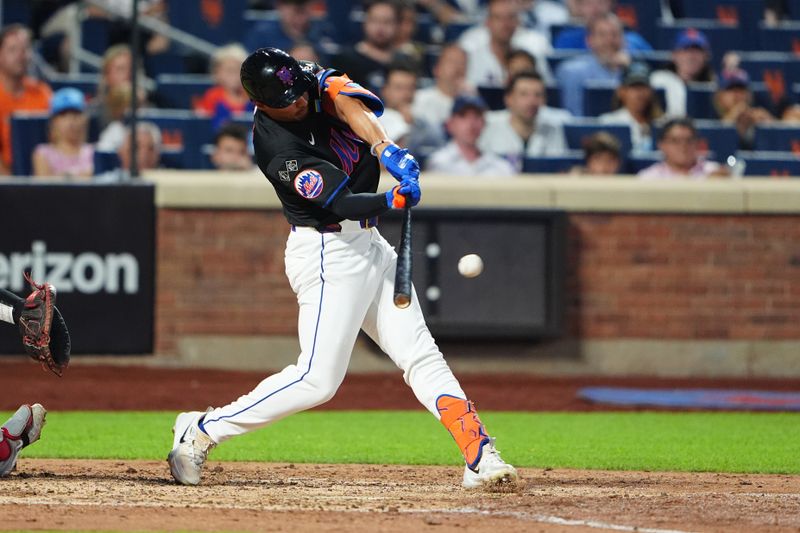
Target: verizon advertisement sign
point(95, 244)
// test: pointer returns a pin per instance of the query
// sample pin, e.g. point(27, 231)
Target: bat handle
point(402, 278)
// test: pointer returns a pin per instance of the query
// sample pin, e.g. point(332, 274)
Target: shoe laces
point(199, 445)
point(491, 456)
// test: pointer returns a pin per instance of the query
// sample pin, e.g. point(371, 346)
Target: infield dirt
point(70, 495)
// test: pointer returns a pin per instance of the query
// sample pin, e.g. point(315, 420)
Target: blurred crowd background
point(661, 89)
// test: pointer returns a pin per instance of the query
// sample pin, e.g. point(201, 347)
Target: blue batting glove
point(407, 193)
point(400, 163)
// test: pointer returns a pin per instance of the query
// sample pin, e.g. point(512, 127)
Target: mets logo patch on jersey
point(308, 183)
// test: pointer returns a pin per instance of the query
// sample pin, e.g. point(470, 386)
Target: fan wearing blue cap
point(462, 156)
point(67, 154)
point(690, 63)
point(733, 102)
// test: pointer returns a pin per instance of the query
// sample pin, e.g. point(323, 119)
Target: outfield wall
point(673, 278)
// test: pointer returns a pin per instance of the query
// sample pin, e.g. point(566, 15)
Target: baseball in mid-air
point(470, 266)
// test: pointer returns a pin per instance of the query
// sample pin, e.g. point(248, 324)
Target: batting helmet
point(274, 78)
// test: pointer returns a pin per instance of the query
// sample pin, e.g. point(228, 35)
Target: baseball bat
point(402, 276)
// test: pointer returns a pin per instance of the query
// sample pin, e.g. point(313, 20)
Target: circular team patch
point(308, 183)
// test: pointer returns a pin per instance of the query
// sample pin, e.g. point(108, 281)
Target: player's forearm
point(358, 206)
point(363, 122)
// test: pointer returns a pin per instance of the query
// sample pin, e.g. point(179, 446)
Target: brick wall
point(635, 276)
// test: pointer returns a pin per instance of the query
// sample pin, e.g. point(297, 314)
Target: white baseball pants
point(344, 282)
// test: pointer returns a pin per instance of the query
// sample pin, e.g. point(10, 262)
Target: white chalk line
point(520, 515)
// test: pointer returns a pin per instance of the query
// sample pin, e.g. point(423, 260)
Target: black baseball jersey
point(310, 162)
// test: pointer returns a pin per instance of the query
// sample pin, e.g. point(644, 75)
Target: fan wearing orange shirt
point(227, 98)
point(18, 92)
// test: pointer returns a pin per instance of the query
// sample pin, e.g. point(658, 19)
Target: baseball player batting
point(318, 141)
point(46, 339)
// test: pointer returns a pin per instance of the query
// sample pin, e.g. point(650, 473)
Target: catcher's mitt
point(44, 332)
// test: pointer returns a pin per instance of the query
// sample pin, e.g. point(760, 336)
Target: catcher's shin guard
point(461, 420)
point(21, 430)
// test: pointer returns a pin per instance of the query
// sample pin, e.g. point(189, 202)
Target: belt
point(344, 226)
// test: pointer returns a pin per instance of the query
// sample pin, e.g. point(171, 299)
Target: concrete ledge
point(250, 190)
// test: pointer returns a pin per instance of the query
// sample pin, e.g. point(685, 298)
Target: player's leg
point(404, 336)
point(331, 277)
point(21, 430)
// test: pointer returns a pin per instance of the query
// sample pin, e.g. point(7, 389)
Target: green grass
point(714, 442)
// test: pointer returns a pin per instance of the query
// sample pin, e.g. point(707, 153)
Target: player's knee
point(323, 390)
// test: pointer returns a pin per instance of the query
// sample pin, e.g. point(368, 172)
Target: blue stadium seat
point(742, 13)
point(454, 30)
point(598, 98)
point(180, 91)
point(700, 99)
point(555, 29)
point(16, 12)
point(576, 131)
point(641, 161)
point(782, 38)
point(640, 16)
point(27, 130)
point(721, 37)
point(94, 34)
point(552, 165)
point(214, 21)
point(493, 96)
point(105, 161)
point(175, 158)
point(168, 62)
point(86, 83)
point(773, 69)
point(794, 9)
point(181, 131)
point(778, 164)
point(720, 139)
point(778, 137)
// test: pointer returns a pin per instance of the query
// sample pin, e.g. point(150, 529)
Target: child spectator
point(601, 155)
point(227, 97)
point(18, 91)
point(230, 148)
point(636, 105)
point(67, 154)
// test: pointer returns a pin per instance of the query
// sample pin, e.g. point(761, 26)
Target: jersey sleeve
point(333, 84)
point(308, 177)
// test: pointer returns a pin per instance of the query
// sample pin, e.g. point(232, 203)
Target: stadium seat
point(721, 37)
point(778, 137)
point(168, 62)
point(555, 29)
point(794, 9)
point(716, 140)
point(700, 99)
point(493, 96)
point(94, 35)
point(454, 30)
point(782, 38)
point(776, 70)
point(577, 131)
point(777, 164)
point(179, 91)
point(181, 131)
point(640, 161)
point(16, 12)
point(217, 22)
point(27, 131)
point(86, 83)
point(105, 161)
point(598, 98)
point(640, 16)
point(552, 165)
point(742, 13)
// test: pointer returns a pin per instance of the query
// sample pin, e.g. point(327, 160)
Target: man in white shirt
point(678, 144)
point(433, 104)
point(527, 127)
point(461, 156)
point(488, 45)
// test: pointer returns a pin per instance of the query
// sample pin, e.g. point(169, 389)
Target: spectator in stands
point(462, 156)
point(304, 51)
point(775, 11)
point(230, 148)
point(791, 114)
point(367, 61)
point(521, 61)
point(636, 105)
point(406, 31)
point(433, 104)
point(118, 103)
point(604, 63)
point(584, 12)
point(541, 15)
point(678, 144)
point(294, 25)
point(18, 92)
point(601, 155)
point(227, 98)
point(527, 127)
point(691, 63)
point(450, 12)
point(148, 152)
point(733, 102)
point(115, 72)
point(67, 154)
point(419, 136)
point(488, 45)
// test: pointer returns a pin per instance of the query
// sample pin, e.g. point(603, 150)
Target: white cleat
point(21, 430)
point(190, 448)
point(491, 471)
